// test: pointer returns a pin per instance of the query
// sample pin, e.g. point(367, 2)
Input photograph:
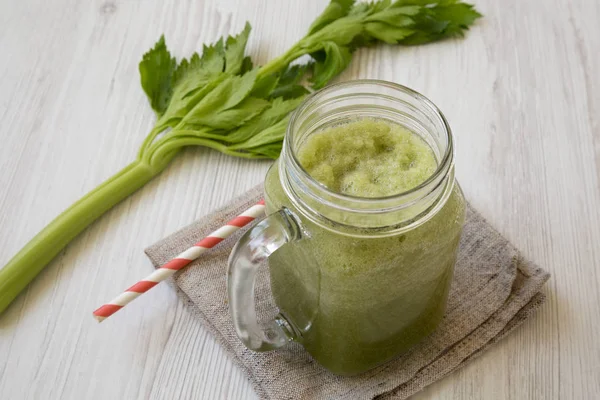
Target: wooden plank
point(521, 92)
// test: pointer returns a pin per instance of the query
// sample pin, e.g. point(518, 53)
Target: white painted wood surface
point(522, 93)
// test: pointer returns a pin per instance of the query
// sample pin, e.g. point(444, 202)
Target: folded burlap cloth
point(494, 291)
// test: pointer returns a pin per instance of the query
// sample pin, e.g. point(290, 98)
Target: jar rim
point(367, 216)
point(442, 167)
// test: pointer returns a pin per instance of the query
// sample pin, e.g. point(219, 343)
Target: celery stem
point(279, 63)
point(40, 250)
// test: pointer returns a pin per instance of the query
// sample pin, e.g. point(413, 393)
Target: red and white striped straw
point(183, 259)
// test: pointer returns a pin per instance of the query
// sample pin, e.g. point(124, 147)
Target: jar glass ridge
point(342, 103)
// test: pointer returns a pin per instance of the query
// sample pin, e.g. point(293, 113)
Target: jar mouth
point(441, 169)
point(384, 215)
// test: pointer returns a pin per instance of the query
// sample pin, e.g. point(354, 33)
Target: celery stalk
point(40, 250)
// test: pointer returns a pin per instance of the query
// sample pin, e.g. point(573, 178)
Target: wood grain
point(522, 94)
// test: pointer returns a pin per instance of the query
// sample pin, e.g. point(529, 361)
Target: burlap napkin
point(494, 291)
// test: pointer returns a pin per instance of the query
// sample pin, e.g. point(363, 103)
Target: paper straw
point(183, 259)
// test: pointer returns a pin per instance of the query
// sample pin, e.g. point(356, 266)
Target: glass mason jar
point(357, 281)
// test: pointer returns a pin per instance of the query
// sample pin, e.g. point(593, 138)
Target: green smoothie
point(367, 158)
point(360, 301)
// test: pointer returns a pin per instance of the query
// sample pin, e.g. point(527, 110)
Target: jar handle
point(254, 247)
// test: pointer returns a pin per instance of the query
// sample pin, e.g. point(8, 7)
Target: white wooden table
point(522, 93)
